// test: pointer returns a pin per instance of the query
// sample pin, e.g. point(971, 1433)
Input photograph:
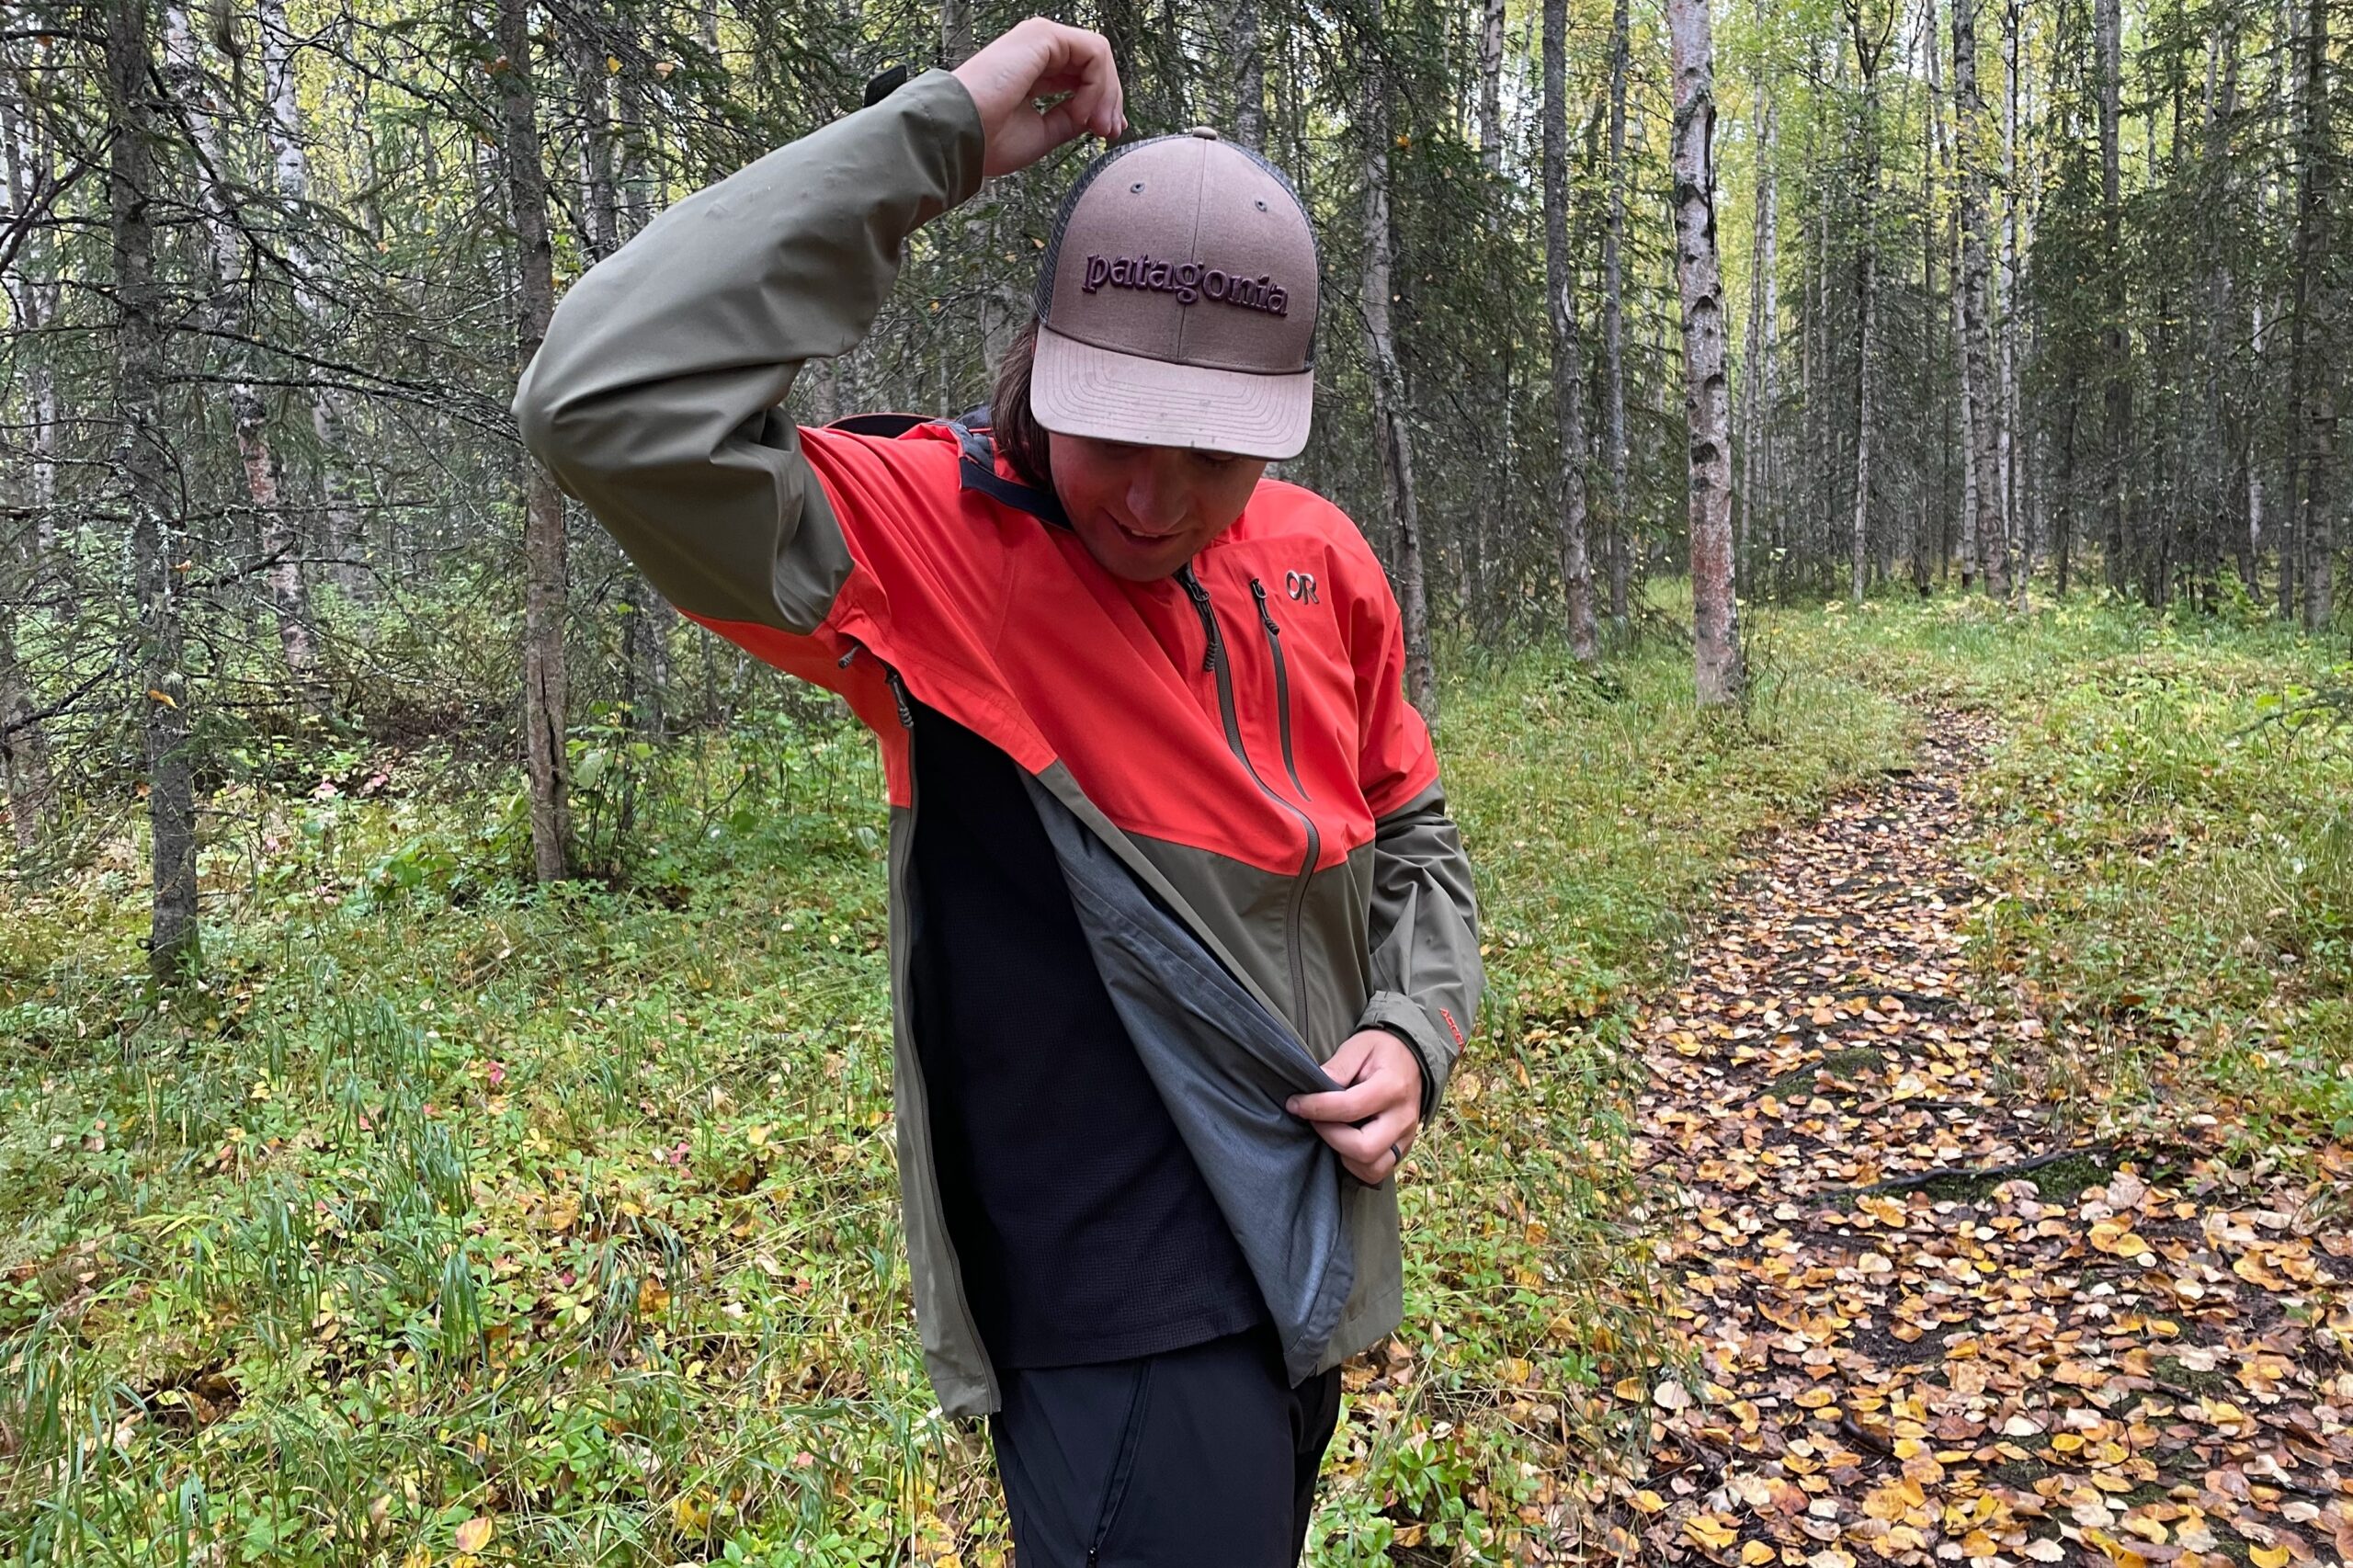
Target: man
point(1183, 940)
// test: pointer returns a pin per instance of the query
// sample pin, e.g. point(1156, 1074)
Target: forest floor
point(451, 1221)
point(1934, 1312)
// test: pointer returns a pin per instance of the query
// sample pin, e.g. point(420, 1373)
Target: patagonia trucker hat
point(1177, 305)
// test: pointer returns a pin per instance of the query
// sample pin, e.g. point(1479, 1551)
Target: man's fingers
point(1370, 1141)
point(1352, 1104)
point(1376, 1169)
point(1041, 59)
point(1080, 62)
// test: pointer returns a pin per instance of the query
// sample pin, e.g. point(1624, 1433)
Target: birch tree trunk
point(599, 191)
point(1491, 86)
point(144, 465)
point(1923, 534)
point(1965, 404)
point(2220, 474)
point(290, 163)
point(1392, 429)
point(543, 539)
point(1613, 318)
point(1715, 629)
point(2314, 407)
point(2011, 449)
point(1981, 387)
point(1568, 366)
point(2107, 48)
point(1247, 45)
point(956, 42)
point(283, 579)
point(1866, 62)
point(2252, 541)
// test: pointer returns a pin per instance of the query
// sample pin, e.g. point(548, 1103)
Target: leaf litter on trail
point(1932, 1319)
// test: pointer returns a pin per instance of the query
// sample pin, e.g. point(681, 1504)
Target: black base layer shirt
point(1081, 1221)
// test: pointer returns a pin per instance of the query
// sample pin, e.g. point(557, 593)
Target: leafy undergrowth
point(449, 1222)
point(2174, 849)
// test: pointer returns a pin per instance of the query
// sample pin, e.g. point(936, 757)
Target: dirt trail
point(2052, 1352)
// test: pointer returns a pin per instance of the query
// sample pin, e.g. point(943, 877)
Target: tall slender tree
point(1393, 425)
point(546, 764)
point(1715, 624)
point(1613, 318)
point(2310, 339)
point(143, 464)
point(1869, 35)
point(287, 149)
point(1568, 365)
point(2108, 51)
point(1981, 385)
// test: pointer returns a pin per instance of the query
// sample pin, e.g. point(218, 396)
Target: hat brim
point(1076, 389)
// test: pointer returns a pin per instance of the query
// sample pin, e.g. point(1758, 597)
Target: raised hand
point(1040, 59)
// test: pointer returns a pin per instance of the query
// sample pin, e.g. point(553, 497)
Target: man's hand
point(1370, 1120)
point(1040, 59)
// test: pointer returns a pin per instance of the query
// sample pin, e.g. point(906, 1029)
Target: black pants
point(1195, 1456)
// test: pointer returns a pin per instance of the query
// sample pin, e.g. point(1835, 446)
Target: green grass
point(443, 1201)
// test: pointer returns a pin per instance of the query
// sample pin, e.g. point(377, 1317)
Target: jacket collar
point(980, 471)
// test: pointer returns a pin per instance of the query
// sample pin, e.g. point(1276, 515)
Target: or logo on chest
point(1300, 585)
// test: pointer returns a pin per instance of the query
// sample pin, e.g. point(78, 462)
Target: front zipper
point(1215, 661)
point(1283, 682)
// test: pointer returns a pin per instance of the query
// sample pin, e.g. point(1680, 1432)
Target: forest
point(1861, 482)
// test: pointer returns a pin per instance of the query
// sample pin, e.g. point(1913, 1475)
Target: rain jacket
point(1245, 810)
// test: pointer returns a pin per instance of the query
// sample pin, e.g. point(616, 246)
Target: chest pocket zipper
point(1283, 682)
point(1215, 660)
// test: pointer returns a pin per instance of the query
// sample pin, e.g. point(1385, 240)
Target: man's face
point(1142, 512)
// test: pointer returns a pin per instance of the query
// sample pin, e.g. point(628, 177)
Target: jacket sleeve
point(1425, 928)
point(654, 398)
point(1425, 939)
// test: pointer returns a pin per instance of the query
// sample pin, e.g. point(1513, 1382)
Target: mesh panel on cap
point(1042, 296)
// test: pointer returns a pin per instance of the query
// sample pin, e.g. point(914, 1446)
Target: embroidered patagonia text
point(1188, 281)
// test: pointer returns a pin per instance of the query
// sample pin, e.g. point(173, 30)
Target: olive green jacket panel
point(655, 398)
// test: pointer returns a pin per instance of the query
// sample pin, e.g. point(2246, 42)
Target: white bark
point(1246, 44)
point(282, 576)
point(345, 543)
point(1613, 319)
point(1981, 387)
point(1699, 281)
point(1491, 86)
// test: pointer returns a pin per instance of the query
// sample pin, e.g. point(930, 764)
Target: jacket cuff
point(1409, 1021)
point(944, 100)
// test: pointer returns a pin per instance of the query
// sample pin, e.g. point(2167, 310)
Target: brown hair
point(1017, 431)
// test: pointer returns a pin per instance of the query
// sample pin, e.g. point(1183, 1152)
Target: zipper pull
point(1266, 616)
point(899, 696)
point(1201, 597)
